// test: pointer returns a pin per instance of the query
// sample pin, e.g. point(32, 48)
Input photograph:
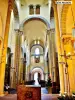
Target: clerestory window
point(31, 9)
point(34, 9)
point(37, 9)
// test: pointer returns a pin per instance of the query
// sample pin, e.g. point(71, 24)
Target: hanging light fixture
point(73, 29)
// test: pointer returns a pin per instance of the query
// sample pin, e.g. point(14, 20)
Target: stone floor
point(43, 97)
point(49, 97)
point(44, 91)
point(9, 97)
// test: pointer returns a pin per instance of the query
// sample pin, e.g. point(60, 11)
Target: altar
point(29, 92)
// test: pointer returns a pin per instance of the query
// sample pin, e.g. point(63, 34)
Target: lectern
point(28, 92)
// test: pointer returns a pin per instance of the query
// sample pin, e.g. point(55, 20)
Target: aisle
point(43, 97)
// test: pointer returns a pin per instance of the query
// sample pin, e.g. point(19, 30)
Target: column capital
point(50, 31)
point(10, 4)
point(19, 31)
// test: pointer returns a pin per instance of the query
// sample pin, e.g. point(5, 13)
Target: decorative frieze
point(50, 31)
point(67, 39)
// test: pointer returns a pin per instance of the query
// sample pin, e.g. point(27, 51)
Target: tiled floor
point(49, 97)
point(44, 91)
point(43, 97)
point(9, 97)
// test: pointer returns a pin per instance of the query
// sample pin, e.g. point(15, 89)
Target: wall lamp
point(68, 55)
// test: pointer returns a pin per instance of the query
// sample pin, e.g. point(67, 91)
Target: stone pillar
point(58, 43)
point(12, 69)
point(21, 70)
point(53, 56)
point(21, 56)
point(49, 6)
point(17, 56)
point(69, 58)
point(4, 50)
point(63, 64)
point(49, 48)
point(52, 65)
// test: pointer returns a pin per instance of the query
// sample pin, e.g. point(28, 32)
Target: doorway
point(37, 78)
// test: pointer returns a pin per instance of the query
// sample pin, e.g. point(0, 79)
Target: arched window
point(52, 12)
point(37, 51)
point(31, 9)
point(37, 55)
point(37, 9)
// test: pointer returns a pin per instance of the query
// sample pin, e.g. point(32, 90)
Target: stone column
point(21, 56)
point(12, 69)
point(53, 49)
point(69, 58)
point(17, 56)
point(52, 66)
point(49, 50)
point(5, 43)
point(34, 9)
point(58, 43)
point(63, 64)
point(21, 70)
point(49, 6)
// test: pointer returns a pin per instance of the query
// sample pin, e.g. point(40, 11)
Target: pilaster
point(49, 54)
point(17, 63)
point(69, 59)
point(4, 49)
point(51, 36)
point(58, 45)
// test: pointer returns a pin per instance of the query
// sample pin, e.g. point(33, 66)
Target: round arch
point(16, 14)
point(38, 18)
point(39, 70)
point(64, 18)
point(15, 9)
point(64, 11)
point(40, 44)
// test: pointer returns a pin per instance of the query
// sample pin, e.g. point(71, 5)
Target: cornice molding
point(50, 31)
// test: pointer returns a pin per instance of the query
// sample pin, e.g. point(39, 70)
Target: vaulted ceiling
point(38, 25)
point(35, 29)
point(28, 2)
point(15, 10)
